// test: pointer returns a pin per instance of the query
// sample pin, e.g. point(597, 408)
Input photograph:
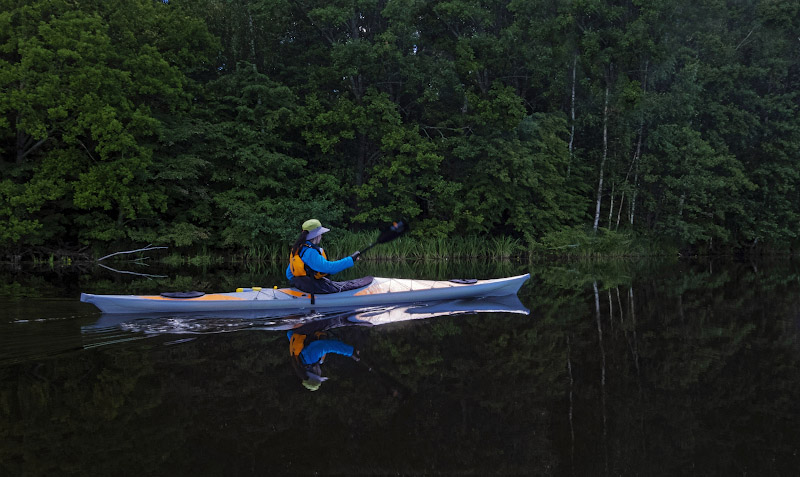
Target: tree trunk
point(572, 116)
point(22, 140)
point(602, 371)
point(633, 199)
point(635, 348)
point(637, 155)
point(571, 403)
point(252, 32)
point(602, 161)
point(619, 212)
point(26, 144)
point(361, 161)
point(611, 205)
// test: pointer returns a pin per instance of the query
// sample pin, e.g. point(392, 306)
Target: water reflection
point(113, 328)
point(658, 369)
point(311, 343)
point(312, 336)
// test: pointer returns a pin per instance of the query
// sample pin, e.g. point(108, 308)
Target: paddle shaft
point(369, 247)
point(396, 388)
point(396, 230)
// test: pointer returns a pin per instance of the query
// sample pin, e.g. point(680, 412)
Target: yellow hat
point(314, 228)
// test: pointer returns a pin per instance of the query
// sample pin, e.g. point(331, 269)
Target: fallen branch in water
point(146, 275)
point(145, 249)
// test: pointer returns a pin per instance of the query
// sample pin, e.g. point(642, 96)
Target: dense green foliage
point(226, 123)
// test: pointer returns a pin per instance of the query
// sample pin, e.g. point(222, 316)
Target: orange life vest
point(298, 342)
point(299, 267)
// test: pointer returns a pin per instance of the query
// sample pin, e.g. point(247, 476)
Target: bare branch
point(23, 154)
point(145, 249)
point(146, 275)
point(88, 152)
point(440, 129)
point(745, 38)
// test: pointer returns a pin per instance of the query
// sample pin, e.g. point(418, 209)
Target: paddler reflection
point(311, 343)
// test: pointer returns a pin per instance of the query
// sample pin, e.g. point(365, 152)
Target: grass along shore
point(574, 243)
point(567, 244)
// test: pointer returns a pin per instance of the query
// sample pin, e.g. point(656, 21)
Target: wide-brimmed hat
point(313, 381)
point(314, 228)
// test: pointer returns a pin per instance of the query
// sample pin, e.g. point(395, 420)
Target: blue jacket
point(316, 350)
point(318, 263)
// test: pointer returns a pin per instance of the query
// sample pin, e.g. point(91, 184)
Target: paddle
point(394, 231)
point(396, 389)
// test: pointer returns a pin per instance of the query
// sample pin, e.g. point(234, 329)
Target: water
point(621, 368)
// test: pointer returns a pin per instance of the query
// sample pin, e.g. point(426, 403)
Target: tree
point(83, 85)
point(696, 194)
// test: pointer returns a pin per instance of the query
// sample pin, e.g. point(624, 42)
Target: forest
point(224, 124)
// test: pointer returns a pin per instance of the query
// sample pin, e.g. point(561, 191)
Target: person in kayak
point(309, 345)
point(309, 266)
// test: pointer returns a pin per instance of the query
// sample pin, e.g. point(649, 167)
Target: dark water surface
point(620, 369)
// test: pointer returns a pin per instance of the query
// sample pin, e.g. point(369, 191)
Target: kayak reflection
point(311, 342)
point(311, 335)
point(227, 321)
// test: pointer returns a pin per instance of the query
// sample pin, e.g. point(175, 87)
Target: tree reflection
point(665, 369)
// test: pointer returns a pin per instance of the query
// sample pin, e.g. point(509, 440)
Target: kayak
point(277, 320)
point(118, 327)
point(380, 291)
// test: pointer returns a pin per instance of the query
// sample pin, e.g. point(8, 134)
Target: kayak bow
point(381, 291)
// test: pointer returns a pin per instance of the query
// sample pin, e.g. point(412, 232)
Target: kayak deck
point(380, 291)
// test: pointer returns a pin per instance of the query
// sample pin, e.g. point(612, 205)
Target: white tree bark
point(638, 154)
point(602, 161)
point(611, 206)
point(572, 116)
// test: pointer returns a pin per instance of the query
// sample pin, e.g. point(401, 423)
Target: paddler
point(309, 266)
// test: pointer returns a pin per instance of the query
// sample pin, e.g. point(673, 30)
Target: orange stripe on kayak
point(212, 297)
point(296, 293)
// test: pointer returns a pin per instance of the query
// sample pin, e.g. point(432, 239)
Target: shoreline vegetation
point(497, 129)
point(572, 244)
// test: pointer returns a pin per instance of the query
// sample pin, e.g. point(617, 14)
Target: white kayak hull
point(381, 291)
point(155, 323)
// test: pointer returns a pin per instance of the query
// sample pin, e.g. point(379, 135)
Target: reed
point(342, 244)
point(51, 261)
point(472, 247)
point(436, 269)
point(173, 260)
point(585, 243)
point(577, 243)
point(270, 252)
point(503, 248)
point(203, 258)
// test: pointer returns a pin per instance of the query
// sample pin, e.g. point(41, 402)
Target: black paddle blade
point(397, 229)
